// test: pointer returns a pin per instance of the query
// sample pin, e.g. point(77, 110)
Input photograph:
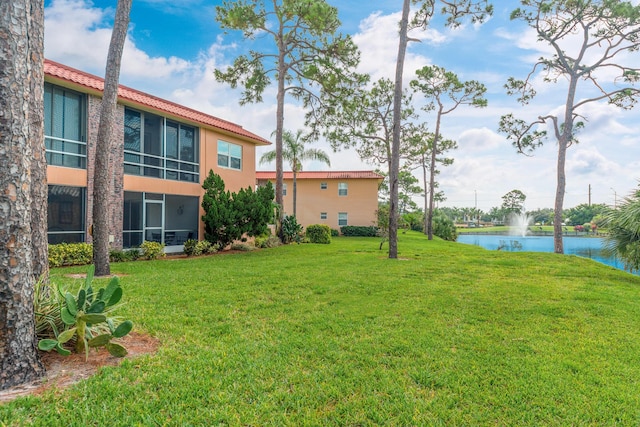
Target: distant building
point(162, 155)
point(332, 198)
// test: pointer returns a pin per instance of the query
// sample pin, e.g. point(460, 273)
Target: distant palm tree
point(294, 152)
point(623, 225)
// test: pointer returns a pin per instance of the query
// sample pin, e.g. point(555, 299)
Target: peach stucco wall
point(234, 179)
point(360, 203)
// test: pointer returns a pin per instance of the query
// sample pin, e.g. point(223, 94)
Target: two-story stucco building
point(162, 155)
point(333, 198)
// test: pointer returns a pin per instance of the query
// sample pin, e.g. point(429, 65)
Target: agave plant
point(86, 318)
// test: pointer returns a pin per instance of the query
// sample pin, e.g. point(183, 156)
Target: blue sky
point(174, 46)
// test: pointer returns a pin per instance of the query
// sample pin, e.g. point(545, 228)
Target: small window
point(284, 189)
point(229, 155)
point(323, 185)
point(323, 215)
point(342, 219)
point(342, 189)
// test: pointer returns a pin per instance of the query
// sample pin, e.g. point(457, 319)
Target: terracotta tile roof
point(63, 72)
point(271, 175)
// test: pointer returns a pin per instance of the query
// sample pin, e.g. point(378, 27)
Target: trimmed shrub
point(116, 255)
point(190, 247)
point(242, 247)
point(334, 232)
point(319, 233)
point(359, 231)
point(267, 241)
point(152, 250)
point(132, 254)
point(204, 247)
point(70, 254)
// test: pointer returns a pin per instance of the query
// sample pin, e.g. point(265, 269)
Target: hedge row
point(359, 231)
point(64, 254)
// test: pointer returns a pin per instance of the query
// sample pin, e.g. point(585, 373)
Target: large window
point(343, 219)
point(66, 214)
point(229, 155)
point(343, 189)
point(160, 148)
point(64, 127)
point(163, 218)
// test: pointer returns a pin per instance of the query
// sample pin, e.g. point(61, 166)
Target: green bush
point(228, 216)
point(334, 232)
point(152, 250)
point(86, 319)
point(132, 254)
point(245, 247)
point(194, 247)
point(359, 231)
point(291, 230)
point(117, 255)
point(444, 227)
point(267, 241)
point(319, 233)
point(204, 247)
point(190, 247)
point(70, 254)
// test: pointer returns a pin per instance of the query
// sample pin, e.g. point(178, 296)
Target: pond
point(588, 247)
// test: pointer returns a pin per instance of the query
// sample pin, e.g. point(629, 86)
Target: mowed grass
point(339, 335)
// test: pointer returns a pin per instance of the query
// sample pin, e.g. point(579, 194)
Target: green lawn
point(339, 335)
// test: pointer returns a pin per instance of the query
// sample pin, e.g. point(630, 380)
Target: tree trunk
point(295, 191)
point(558, 246)
point(394, 167)
point(564, 134)
point(279, 130)
point(426, 193)
point(20, 63)
point(432, 174)
point(103, 173)
point(39, 189)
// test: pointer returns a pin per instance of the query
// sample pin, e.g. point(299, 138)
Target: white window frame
point(343, 189)
point(345, 219)
point(228, 155)
point(323, 215)
point(284, 189)
point(324, 186)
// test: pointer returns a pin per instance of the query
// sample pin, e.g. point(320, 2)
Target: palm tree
point(294, 152)
point(623, 225)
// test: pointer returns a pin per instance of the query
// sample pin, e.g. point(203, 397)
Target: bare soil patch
point(63, 371)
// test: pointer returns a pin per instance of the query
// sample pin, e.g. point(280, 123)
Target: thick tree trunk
point(103, 173)
point(19, 64)
point(39, 189)
point(394, 167)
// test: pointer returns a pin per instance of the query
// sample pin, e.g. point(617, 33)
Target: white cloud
point(480, 139)
point(590, 162)
point(78, 34)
